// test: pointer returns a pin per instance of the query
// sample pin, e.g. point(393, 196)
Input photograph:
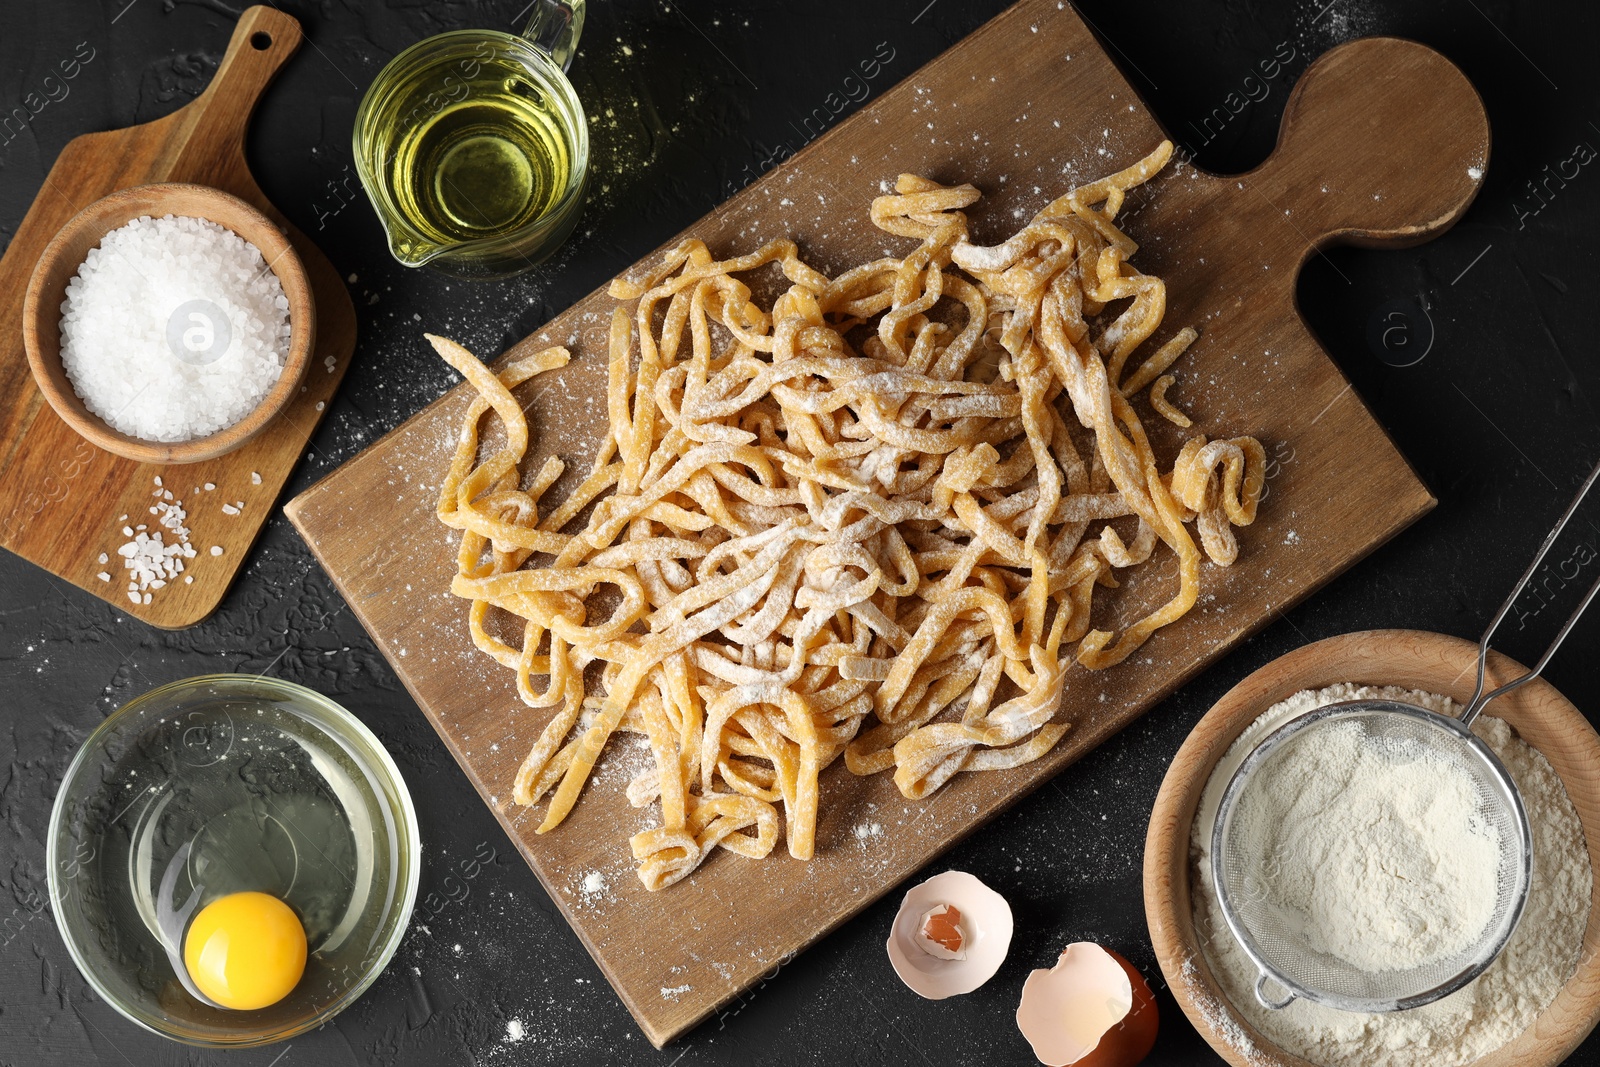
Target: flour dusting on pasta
point(866, 521)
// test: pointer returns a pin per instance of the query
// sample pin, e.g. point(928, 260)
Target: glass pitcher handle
point(555, 27)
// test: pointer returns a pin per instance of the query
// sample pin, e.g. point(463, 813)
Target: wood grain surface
point(61, 497)
point(1024, 108)
point(1415, 660)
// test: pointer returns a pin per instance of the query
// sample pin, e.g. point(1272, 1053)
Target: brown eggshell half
point(1070, 1013)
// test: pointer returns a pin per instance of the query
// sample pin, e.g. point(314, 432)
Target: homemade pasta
point(865, 521)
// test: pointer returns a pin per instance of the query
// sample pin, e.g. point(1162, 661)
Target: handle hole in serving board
point(261, 41)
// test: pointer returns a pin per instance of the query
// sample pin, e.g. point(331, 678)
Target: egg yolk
point(245, 950)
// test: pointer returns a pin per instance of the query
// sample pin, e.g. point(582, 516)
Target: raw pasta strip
point(859, 517)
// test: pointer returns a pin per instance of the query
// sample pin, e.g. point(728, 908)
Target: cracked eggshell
point(1092, 1009)
point(985, 922)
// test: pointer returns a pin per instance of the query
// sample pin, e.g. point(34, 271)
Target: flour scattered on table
point(674, 992)
point(515, 1031)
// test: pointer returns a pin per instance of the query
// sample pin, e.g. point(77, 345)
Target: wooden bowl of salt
point(67, 253)
point(1412, 659)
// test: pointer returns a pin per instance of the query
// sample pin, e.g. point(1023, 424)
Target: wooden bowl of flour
point(1545, 719)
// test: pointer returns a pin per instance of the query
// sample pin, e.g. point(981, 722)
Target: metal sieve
point(1282, 941)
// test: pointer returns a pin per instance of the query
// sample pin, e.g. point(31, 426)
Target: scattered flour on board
point(1463, 1026)
point(594, 883)
point(515, 1031)
point(674, 992)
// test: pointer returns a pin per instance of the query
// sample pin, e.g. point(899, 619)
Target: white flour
point(1468, 1024)
point(1386, 865)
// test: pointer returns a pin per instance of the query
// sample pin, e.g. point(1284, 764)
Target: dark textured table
point(1476, 351)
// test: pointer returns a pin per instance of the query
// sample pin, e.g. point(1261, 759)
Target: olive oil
point(474, 149)
point(490, 164)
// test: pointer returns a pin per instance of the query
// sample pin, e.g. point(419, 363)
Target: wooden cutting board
point(1376, 147)
point(62, 500)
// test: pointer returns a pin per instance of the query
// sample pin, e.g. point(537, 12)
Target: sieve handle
point(1266, 1001)
point(1479, 697)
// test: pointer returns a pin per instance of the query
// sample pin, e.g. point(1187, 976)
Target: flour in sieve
point(1386, 865)
point(1470, 1022)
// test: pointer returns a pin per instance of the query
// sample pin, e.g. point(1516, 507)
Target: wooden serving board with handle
point(61, 498)
point(1376, 148)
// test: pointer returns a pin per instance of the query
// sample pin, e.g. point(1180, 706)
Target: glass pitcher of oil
point(474, 149)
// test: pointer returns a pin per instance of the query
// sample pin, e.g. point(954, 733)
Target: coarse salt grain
point(118, 320)
point(150, 560)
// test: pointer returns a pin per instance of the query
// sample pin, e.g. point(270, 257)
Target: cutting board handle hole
point(261, 41)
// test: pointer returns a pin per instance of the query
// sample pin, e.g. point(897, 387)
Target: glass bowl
point(221, 784)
